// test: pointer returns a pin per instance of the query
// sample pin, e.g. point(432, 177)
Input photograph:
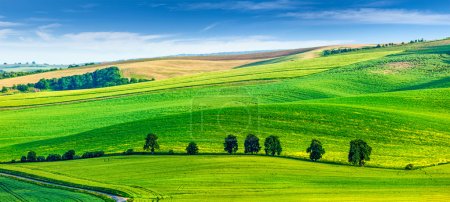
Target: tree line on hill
point(345, 50)
point(69, 155)
point(359, 151)
point(5, 74)
point(358, 154)
point(110, 76)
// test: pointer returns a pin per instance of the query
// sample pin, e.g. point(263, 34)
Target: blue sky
point(63, 31)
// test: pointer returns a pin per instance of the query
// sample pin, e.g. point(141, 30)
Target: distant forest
point(100, 78)
point(110, 76)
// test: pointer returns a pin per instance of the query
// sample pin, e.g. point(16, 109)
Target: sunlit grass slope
point(399, 133)
point(14, 190)
point(249, 178)
point(287, 69)
point(289, 97)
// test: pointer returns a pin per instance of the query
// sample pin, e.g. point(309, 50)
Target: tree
point(192, 148)
point(40, 159)
point(230, 145)
point(42, 84)
point(272, 145)
point(151, 143)
point(23, 159)
point(4, 89)
point(54, 157)
point(315, 150)
point(69, 155)
point(31, 156)
point(251, 144)
point(359, 152)
point(22, 88)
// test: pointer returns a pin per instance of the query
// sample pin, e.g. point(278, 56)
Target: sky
point(78, 31)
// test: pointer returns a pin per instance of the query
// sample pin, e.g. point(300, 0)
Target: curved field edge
point(24, 190)
point(60, 179)
point(250, 177)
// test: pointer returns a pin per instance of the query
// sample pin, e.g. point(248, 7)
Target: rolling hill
point(396, 98)
point(163, 68)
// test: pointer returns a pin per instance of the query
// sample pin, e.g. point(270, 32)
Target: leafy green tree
point(151, 143)
point(359, 152)
point(128, 152)
point(133, 80)
point(230, 144)
point(40, 159)
point(31, 156)
point(22, 88)
point(192, 148)
point(409, 167)
point(42, 84)
point(69, 155)
point(54, 157)
point(4, 89)
point(315, 150)
point(23, 159)
point(272, 145)
point(251, 144)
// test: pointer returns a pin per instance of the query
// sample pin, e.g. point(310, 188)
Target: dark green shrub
point(69, 155)
point(40, 159)
point(409, 167)
point(128, 152)
point(54, 157)
point(192, 148)
point(31, 156)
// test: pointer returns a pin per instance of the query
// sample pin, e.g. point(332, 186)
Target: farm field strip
point(18, 190)
point(175, 178)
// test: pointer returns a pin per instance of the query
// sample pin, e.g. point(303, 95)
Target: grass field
point(14, 190)
point(395, 98)
point(163, 68)
point(408, 125)
point(257, 178)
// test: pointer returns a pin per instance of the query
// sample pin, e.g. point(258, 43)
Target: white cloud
point(247, 5)
point(376, 16)
point(108, 46)
point(4, 33)
point(8, 24)
point(50, 26)
point(211, 26)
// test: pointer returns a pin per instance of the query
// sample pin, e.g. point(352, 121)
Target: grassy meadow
point(396, 98)
point(257, 178)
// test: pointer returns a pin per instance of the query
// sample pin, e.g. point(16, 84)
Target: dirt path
point(26, 179)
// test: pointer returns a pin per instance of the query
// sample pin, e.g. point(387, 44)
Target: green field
point(377, 94)
point(396, 98)
point(15, 190)
point(212, 177)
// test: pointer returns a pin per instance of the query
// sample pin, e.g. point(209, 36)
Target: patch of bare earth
point(394, 67)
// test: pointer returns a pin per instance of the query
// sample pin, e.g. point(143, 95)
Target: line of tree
point(82, 65)
point(345, 50)
point(110, 76)
point(5, 74)
point(358, 154)
point(69, 155)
